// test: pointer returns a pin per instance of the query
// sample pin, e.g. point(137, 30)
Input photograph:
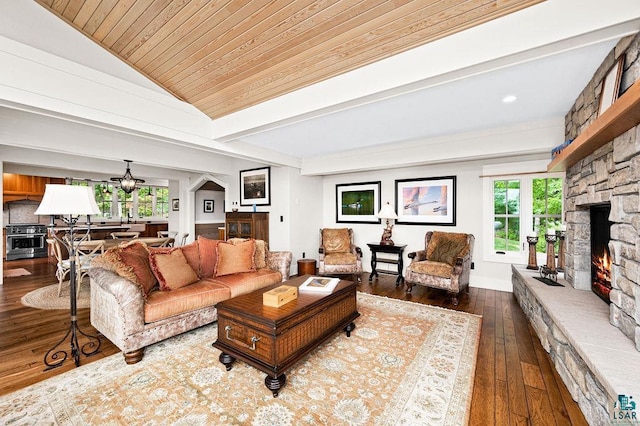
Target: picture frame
point(208, 206)
point(611, 85)
point(175, 204)
point(255, 187)
point(358, 202)
point(426, 201)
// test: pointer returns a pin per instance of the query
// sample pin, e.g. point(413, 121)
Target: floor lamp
point(69, 202)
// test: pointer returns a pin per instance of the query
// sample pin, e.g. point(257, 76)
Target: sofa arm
point(117, 306)
point(418, 256)
point(280, 261)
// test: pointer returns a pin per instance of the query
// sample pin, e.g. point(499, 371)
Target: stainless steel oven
point(26, 240)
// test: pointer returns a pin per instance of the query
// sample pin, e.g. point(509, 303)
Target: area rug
point(16, 272)
point(404, 364)
point(47, 297)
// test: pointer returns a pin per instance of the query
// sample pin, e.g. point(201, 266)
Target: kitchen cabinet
point(22, 187)
point(247, 225)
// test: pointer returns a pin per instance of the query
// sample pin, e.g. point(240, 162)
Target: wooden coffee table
point(273, 339)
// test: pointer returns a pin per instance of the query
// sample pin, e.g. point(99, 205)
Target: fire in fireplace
point(600, 256)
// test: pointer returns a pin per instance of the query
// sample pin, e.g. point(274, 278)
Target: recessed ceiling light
point(508, 99)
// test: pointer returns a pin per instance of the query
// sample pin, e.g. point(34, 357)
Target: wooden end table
point(273, 339)
point(381, 248)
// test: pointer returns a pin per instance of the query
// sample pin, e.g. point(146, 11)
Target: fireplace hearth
point(600, 255)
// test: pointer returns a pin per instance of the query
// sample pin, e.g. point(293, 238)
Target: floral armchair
point(445, 263)
point(338, 254)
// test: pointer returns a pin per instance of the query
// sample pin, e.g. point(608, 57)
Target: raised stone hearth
point(595, 360)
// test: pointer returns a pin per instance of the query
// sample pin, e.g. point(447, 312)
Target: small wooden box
point(280, 296)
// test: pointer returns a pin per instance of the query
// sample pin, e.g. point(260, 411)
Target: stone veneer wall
point(609, 175)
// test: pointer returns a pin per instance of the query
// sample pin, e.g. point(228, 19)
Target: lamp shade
point(387, 212)
point(68, 200)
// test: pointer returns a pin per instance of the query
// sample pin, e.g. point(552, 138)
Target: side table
point(380, 248)
point(306, 266)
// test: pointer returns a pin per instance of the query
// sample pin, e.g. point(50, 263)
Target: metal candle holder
point(533, 260)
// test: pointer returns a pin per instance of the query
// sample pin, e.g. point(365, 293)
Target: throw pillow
point(235, 258)
point(336, 240)
point(208, 250)
point(445, 247)
point(192, 254)
point(261, 250)
point(130, 261)
point(171, 269)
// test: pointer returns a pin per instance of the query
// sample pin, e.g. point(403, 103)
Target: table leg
point(349, 328)
point(374, 262)
point(227, 360)
point(400, 279)
point(274, 384)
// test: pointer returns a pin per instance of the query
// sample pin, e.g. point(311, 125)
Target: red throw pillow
point(171, 269)
point(208, 256)
point(130, 261)
point(235, 258)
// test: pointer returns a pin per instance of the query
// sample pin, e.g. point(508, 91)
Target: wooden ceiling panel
point(226, 55)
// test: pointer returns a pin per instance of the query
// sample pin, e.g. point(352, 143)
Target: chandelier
point(127, 182)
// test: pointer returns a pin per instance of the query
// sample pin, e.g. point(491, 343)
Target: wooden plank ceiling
point(226, 55)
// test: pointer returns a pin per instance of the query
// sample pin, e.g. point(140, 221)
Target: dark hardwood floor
point(515, 381)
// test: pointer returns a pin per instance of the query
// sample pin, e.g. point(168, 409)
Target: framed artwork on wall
point(426, 201)
point(358, 202)
point(175, 204)
point(208, 206)
point(255, 187)
point(611, 85)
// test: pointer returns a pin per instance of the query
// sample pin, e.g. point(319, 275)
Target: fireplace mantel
point(622, 115)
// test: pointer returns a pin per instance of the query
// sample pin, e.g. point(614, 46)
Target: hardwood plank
point(532, 376)
point(502, 403)
point(539, 407)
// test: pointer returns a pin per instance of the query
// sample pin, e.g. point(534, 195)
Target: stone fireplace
point(610, 175)
point(595, 346)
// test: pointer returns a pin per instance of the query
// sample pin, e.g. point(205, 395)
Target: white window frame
point(526, 172)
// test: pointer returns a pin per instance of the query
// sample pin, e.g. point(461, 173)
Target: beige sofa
point(141, 295)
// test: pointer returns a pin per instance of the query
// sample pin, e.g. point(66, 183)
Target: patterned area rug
point(404, 364)
point(47, 297)
point(16, 272)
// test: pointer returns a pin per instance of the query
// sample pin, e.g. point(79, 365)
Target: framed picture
point(358, 202)
point(255, 187)
point(208, 206)
point(611, 85)
point(426, 201)
point(175, 204)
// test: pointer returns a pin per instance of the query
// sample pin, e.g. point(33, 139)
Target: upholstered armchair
point(338, 254)
point(445, 263)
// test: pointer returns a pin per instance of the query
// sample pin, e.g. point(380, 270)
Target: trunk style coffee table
point(273, 339)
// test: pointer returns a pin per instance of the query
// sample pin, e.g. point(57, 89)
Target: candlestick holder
point(551, 255)
point(560, 235)
point(533, 258)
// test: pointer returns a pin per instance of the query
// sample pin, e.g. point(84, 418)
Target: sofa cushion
point(246, 282)
point(336, 240)
point(446, 247)
point(130, 261)
point(165, 304)
point(428, 267)
point(208, 250)
point(171, 269)
point(340, 259)
point(235, 258)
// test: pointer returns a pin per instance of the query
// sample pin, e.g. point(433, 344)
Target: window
point(516, 206)
point(104, 198)
point(144, 202)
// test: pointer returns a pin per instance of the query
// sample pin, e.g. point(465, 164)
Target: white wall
point(218, 206)
point(468, 216)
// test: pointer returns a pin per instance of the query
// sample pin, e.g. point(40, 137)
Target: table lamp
point(387, 212)
point(69, 202)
